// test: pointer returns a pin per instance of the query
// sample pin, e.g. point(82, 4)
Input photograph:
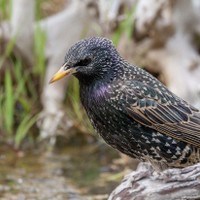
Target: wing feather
point(174, 118)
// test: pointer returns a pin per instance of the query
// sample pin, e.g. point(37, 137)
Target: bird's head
point(89, 59)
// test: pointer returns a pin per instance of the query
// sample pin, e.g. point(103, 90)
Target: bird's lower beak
point(62, 73)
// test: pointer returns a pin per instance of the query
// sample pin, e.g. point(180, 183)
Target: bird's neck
point(94, 92)
point(97, 88)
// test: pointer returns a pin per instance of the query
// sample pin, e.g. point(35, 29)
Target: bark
point(147, 184)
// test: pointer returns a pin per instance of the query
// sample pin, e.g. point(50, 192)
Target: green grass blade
point(8, 50)
point(5, 9)
point(23, 128)
point(126, 26)
point(20, 88)
point(39, 46)
point(9, 103)
point(1, 108)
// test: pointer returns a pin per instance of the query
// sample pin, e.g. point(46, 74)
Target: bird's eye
point(84, 62)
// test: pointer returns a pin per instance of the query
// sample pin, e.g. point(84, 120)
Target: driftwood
point(147, 184)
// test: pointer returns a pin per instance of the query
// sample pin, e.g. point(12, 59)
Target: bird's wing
point(164, 112)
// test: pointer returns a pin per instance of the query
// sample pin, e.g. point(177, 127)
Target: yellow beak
point(62, 73)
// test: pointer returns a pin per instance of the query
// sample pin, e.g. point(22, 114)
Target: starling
point(130, 109)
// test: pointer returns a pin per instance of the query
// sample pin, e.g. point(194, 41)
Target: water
point(76, 172)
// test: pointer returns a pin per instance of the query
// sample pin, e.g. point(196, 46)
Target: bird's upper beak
point(62, 72)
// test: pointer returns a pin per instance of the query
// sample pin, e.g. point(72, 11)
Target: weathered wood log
point(147, 184)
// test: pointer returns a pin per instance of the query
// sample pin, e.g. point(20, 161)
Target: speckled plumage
point(132, 110)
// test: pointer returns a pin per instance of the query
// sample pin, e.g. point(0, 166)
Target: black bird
point(131, 109)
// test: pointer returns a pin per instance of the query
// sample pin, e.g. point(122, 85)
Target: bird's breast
point(107, 118)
